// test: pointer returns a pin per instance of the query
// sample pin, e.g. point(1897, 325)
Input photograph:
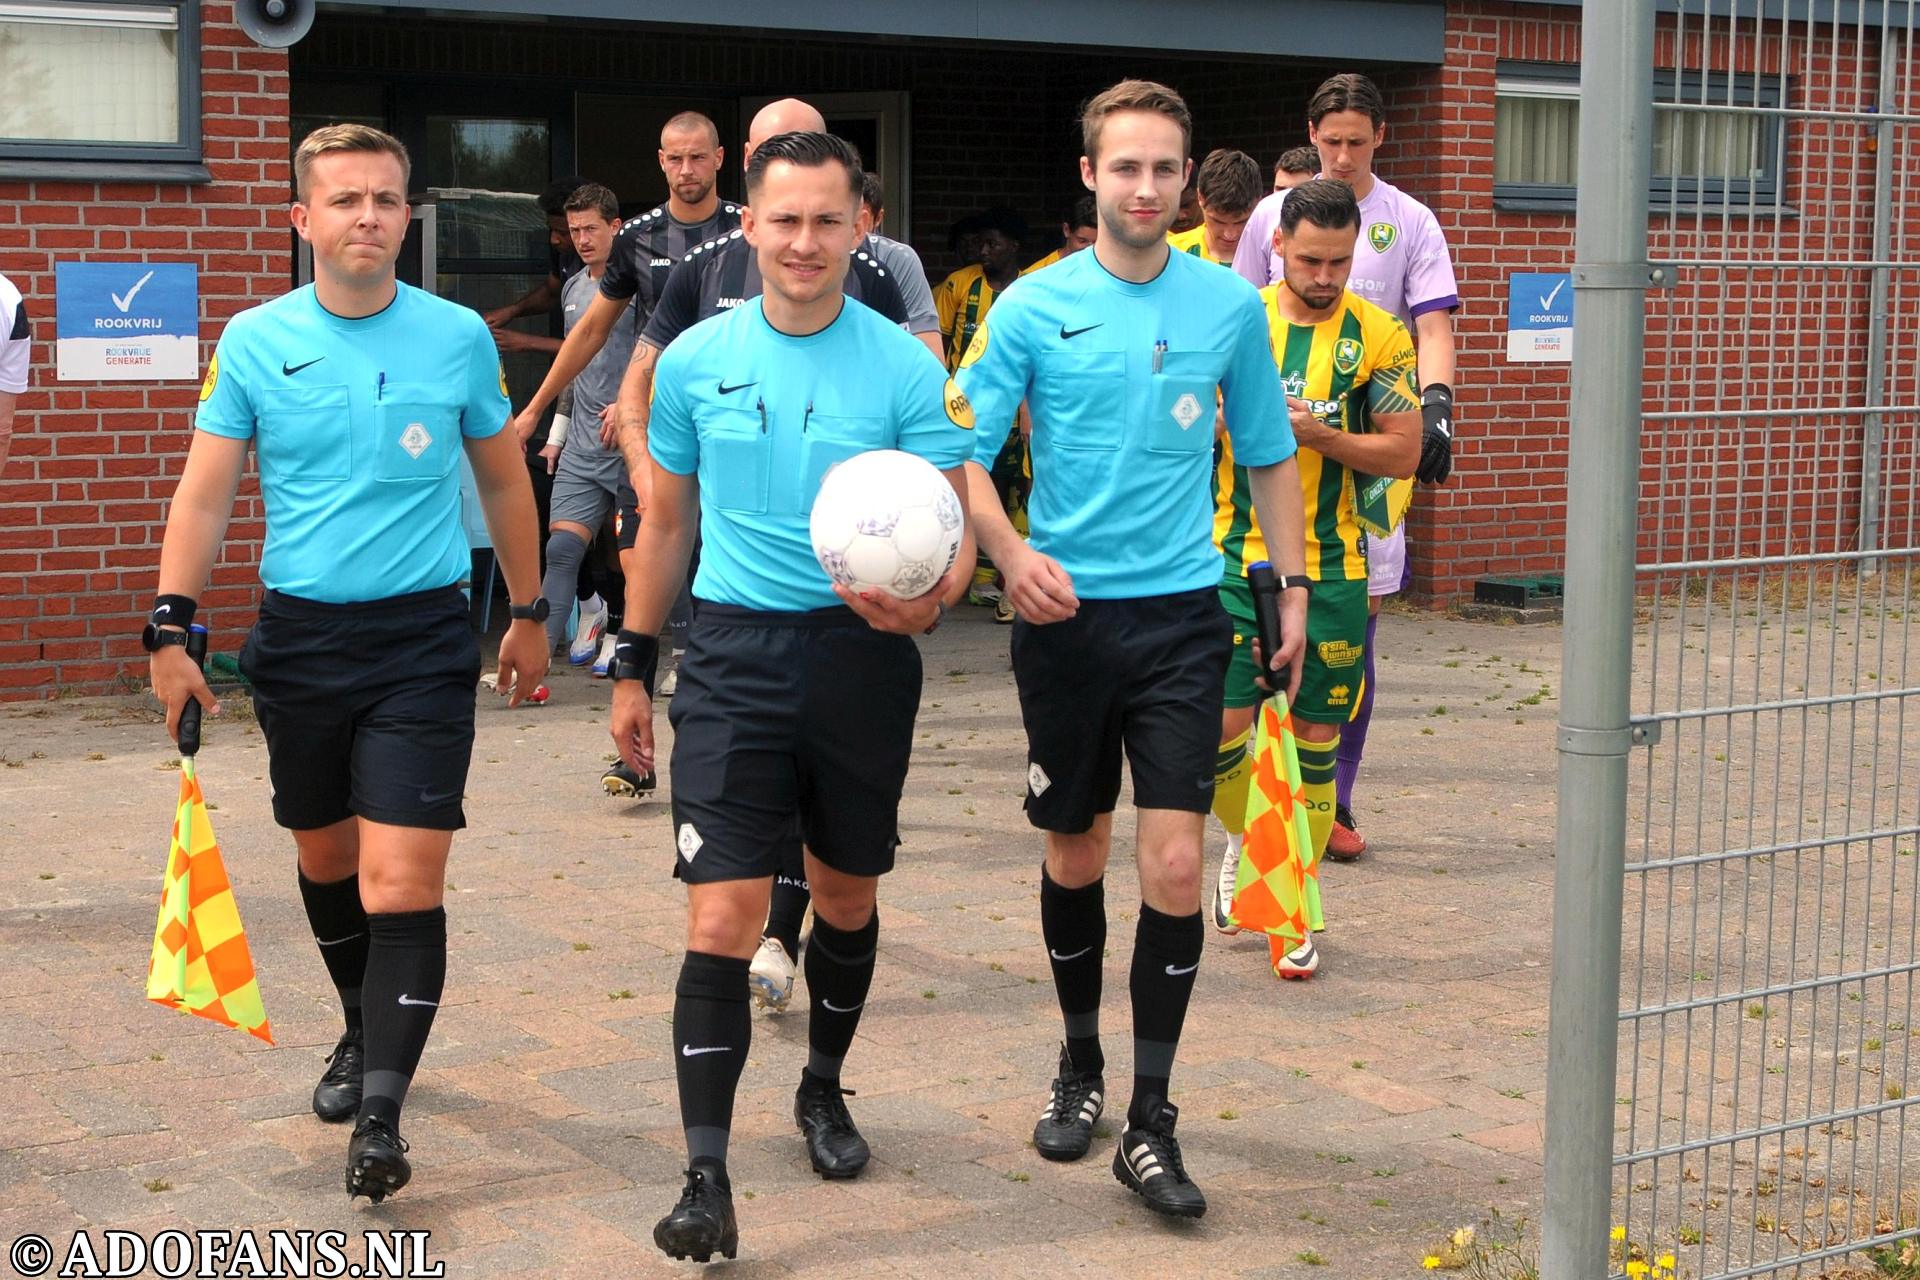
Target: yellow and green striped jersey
point(962, 301)
point(1043, 264)
point(1357, 361)
point(1195, 243)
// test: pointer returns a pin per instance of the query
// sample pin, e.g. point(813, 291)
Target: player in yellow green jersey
point(1230, 185)
point(1078, 230)
point(1348, 369)
point(962, 301)
point(964, 298)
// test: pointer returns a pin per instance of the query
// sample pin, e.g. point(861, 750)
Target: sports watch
point(535, 612)
point(1300, 580)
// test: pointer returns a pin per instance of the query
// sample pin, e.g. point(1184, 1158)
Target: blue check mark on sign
point(124, 303)
point(1546, 300)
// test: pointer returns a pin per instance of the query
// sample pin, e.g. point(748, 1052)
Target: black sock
point(711, 1031)
point(1073, 923)
point(339, 926)
point(839, 971)
point(1166, 956)
point(789, 905)
point(406, 969)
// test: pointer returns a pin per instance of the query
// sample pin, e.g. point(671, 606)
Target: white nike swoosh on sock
point(1176, 973)
point(1075, 956)
point(688, 1051)
point(837, 1009)
point(334, 942)
point(434, 1004)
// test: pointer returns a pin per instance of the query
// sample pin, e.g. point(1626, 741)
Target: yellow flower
point(1618, 1233)
point(1666, 1261)
point(1637, 1269)
point(1430, 1262)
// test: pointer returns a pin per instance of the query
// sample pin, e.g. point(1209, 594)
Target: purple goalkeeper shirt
point(1401, 263)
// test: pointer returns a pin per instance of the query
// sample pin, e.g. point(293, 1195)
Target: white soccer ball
point(886, 520)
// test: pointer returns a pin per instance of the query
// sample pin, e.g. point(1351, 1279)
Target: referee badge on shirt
point(1381, 236)
point(976, 348)
point(415, 439)
point(959, 408)
point(503, 381)
point(213, 378)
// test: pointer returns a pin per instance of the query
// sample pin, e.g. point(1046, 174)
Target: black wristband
point(1436, 393)
point(635, 657)
point(173, 611)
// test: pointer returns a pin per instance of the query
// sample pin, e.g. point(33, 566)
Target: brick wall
point(1764, 339)
point(92, 465)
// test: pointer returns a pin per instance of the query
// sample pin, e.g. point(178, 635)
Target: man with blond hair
point(358, 395)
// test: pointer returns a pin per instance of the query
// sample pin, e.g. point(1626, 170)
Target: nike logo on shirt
point(1066, 333)
point(290, 369)
point(726, 390)
point(688, 1051)
point(431, 1004)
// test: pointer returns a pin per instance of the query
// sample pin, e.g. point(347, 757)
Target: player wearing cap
point(358, 395)
point(1122, 644)
point(794, 719)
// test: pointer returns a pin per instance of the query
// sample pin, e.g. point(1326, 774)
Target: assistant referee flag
point(200, 962)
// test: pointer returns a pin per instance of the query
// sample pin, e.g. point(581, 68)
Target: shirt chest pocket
point(305, 433)
point(1180, 411)
point(736, 460)
point(1078, 398)
point(417, 433)
point(833, 438)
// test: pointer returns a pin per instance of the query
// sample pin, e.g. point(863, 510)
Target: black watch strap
point(1296, 580)
point(154, 638)
point(535, 612)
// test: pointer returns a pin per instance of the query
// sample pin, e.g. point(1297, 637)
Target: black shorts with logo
point(367, 708)
point(1140, 675)
point(626, 515)
point(789, 727)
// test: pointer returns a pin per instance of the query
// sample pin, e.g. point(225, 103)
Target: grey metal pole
point(1873, 437)
point(1603, 466)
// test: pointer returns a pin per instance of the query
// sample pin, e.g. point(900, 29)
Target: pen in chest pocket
point(1159, 354)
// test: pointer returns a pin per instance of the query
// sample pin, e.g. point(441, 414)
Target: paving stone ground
point(1338, 1127)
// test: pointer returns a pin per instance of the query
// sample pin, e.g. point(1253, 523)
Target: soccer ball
point(886, 520)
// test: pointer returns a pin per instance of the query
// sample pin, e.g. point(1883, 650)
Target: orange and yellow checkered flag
point(1277, 891)
point(201, 964)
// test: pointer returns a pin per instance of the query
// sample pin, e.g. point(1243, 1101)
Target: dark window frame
point(1668, 194)
point(182, 161)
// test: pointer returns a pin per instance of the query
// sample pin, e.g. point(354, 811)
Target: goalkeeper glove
point(1436, 434)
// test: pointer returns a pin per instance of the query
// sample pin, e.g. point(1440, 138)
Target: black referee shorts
point(367, 709)
point(789, 727)
point(1141, 676)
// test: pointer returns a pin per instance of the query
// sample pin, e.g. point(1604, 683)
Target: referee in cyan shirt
point(358, 395)
point(1121, 643)
point(794, 718)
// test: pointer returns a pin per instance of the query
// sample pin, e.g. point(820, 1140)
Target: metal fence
point(1740, 784)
